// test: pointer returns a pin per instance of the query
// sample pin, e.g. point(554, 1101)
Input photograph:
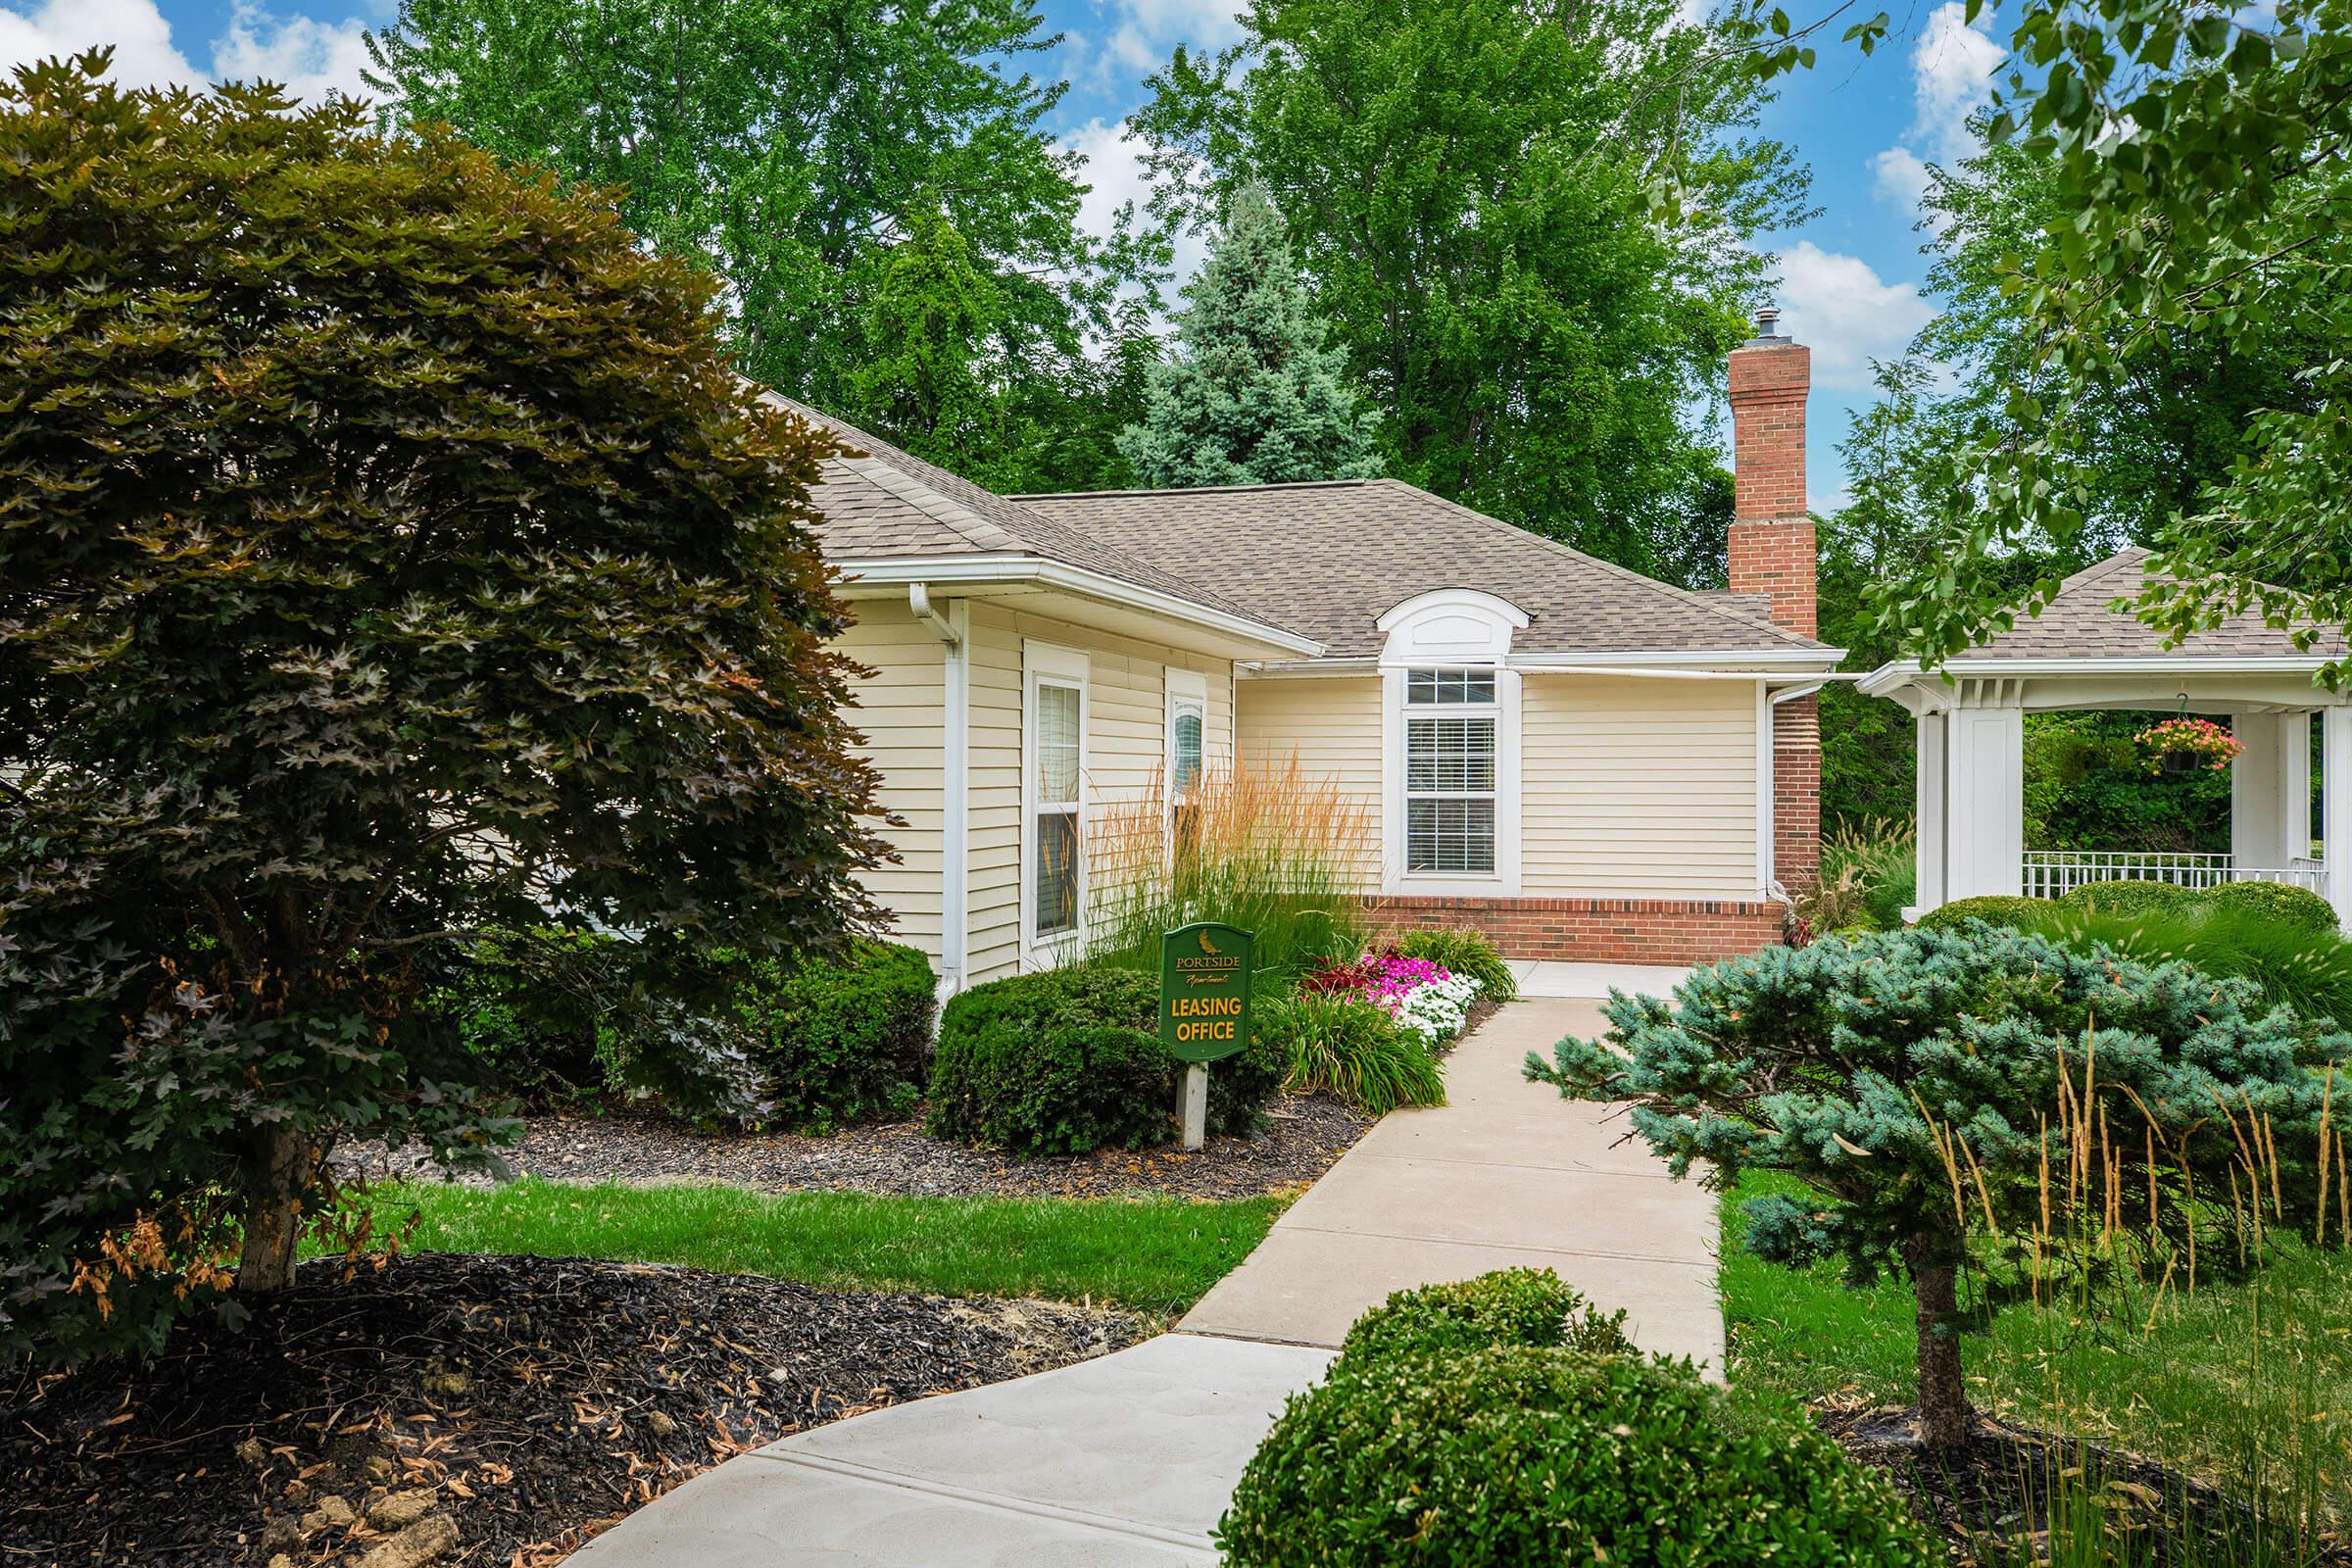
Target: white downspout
point(957, 766)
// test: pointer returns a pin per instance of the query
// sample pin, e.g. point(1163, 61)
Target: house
point(1581, 760)
point(2082, 651)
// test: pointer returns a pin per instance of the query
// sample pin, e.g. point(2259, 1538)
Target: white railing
point(2054, 873)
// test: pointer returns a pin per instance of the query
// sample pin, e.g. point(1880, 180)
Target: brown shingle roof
point(875, 502)
point(1328, 560)
point(2077, 623)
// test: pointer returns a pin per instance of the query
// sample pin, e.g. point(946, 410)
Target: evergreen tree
point(926, 385)
point(1255, 396)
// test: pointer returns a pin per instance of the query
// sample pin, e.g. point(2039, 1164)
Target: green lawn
point(1153, 1255)
point(2186, 1379)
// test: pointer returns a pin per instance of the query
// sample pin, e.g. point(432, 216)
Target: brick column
point(1772, 552)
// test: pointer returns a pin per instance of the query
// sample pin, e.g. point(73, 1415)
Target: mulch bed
point(1304, 1135)
point(499, 1409)
point(1990, 1501)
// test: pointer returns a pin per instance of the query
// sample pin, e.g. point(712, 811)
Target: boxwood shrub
point(1069, 1061)
point(1523, 1306)
point(2131, 898)
point(1527, 1455)
point(837, 1040)
point(1994, 909)
point(2297, 908)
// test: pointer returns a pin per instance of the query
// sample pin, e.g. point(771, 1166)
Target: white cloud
point(1114, 168)
point(311, 57)
point(1952, 65)
point(1846, 313)
point(1147, 31)
point(1899, 176)
point(308, 55)
point(144, 54)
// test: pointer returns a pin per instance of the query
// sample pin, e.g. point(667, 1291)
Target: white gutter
point(1012, 568)
point(952, 630)
point(1584, 664)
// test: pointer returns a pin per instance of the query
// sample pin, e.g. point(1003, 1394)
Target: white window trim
point(1449, 628)
point(1048, 663)
point(1398, 881)
point(1186, 689)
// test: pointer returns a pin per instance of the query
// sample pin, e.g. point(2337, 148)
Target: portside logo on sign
point(1205, 990)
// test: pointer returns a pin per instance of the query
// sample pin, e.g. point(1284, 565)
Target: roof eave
point(1005, 569)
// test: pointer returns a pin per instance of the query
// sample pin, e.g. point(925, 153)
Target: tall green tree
point(1478, 192)
point(388, 550)
point(1253, 395)
point(781, 143)
point(927, 382)
point(2200, 211)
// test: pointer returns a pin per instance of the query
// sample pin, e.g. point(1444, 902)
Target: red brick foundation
point(1597, 930)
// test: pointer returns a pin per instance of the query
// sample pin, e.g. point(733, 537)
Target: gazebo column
point(2270, 790)
point(1927, 847)
point(1985, 793)
point(2336, 807)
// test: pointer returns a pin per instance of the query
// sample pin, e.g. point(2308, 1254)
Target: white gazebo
point(2081, 653)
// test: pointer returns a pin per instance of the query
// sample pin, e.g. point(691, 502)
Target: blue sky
point(1866, 127)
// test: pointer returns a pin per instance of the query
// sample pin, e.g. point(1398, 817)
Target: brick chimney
point(1772, 552)
point(1772, 549)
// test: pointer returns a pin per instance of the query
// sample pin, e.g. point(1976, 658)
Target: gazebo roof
point(2082, 651)
point(2080, 623)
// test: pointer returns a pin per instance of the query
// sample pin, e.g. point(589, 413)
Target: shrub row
point(1067, 1060)
point(1504, 1421)
point(2283, 939)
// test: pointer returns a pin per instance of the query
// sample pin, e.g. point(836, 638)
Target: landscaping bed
point(512, 1404)
point(1991, 1500)
point(1303, 1137)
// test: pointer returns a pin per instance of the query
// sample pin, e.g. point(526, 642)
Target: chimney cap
point(1767, 324)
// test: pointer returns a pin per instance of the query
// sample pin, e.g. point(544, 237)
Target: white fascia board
point(2169, 665)
point(1743, 662)
point(1780, 664)
point(894, 572)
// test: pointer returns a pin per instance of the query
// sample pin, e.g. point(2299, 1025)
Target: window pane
point(1450, 686)
point(1448, 754)
point(1186, 749)
point(1450, 835)
point(1056, 744)
point(1056, 872)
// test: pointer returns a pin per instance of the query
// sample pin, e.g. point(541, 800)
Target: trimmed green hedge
point(1067, 1060)
point(1994, 908)
point(2300, 908)
point(1528, 1455)
point(839, 1040)
point(1533, 1307)
point(2131, 898)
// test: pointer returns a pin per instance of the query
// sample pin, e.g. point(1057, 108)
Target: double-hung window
point(1449, 750)
point(1188, 716)
point(1054, 795)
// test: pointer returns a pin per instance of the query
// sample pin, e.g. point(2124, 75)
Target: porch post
point(2336, 807)
point(2294, 786)
point(2258, 792)
point(1984, 795)
point(1927, 845)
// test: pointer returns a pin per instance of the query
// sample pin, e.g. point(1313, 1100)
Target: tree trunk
point(283, 1164)
point(1946, 1417)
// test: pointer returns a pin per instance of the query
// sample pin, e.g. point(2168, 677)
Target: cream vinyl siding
point(898, 710)
point(1637, 788)
point(1331, 725)
point(1126, 744)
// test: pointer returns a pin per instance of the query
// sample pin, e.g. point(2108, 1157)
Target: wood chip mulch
point(1990, 1501)
point(1303, 1137)
point(480, 1410)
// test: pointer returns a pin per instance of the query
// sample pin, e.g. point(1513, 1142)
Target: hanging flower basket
point(2185, 745)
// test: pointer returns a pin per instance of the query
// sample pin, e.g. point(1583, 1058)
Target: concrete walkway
point(1128, 1459)
point(1504, 1174)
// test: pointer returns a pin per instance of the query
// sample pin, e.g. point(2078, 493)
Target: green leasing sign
point(1205, 990)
